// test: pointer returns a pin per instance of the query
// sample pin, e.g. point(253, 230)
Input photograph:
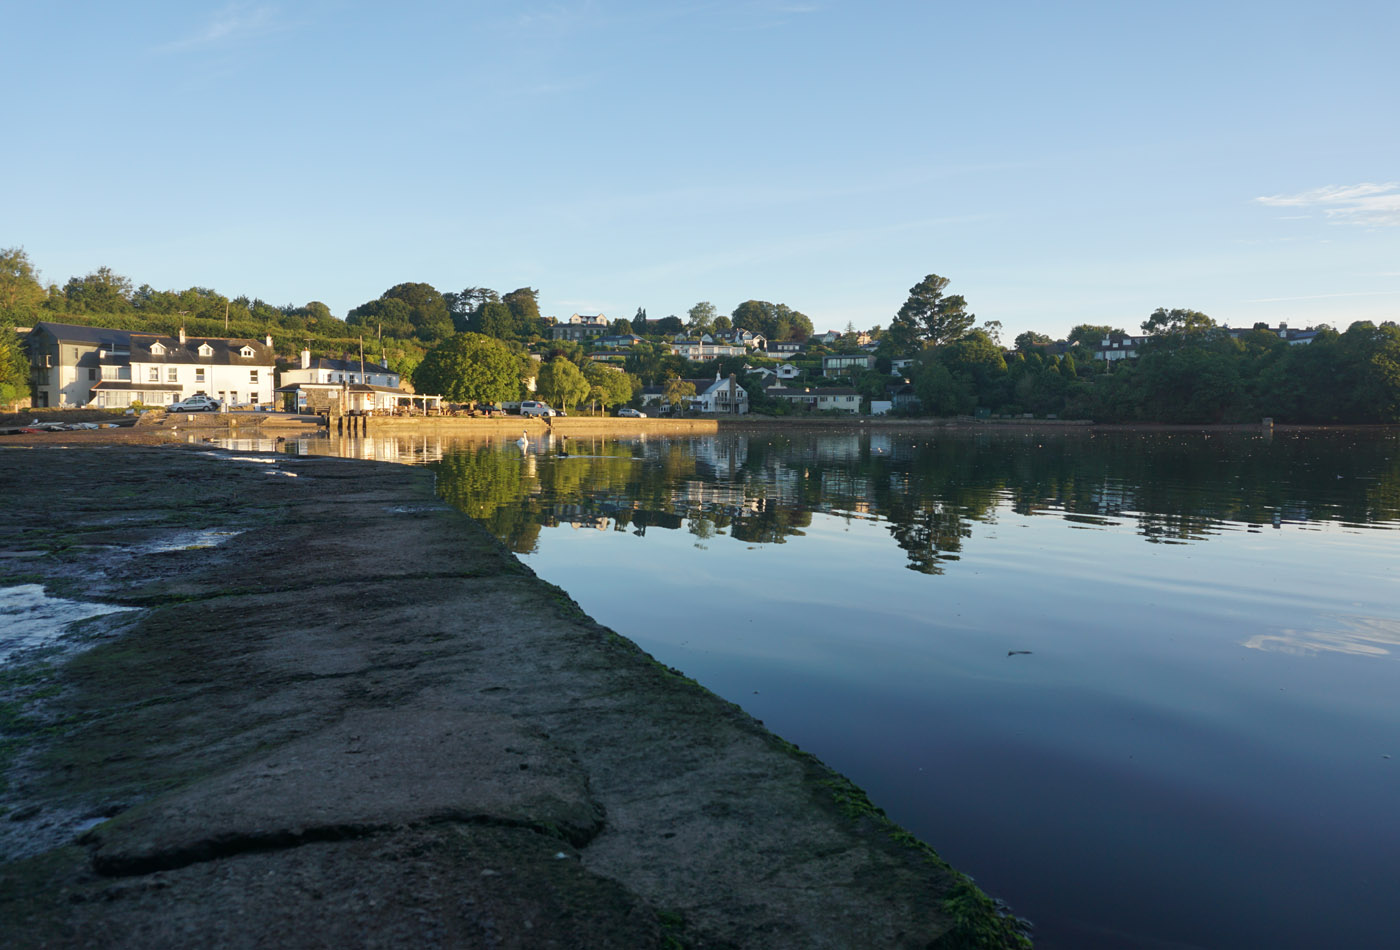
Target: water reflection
point(1148, 664)
point(929, 488)
point(1361, 636)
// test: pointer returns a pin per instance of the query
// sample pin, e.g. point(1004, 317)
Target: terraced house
point(74, 366)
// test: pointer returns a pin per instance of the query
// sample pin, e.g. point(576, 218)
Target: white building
point(720, 395)
point(79, 366)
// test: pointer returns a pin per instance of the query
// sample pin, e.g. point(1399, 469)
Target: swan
point(524, 440)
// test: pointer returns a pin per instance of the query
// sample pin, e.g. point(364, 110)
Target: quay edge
point(306, 734)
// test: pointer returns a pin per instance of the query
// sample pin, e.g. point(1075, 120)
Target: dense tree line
point(1190, 370)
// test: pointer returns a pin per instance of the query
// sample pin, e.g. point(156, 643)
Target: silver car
point(196, 403)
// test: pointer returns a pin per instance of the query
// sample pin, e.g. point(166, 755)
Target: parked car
point(533, 407)
point(631, 413)
point(196, 403)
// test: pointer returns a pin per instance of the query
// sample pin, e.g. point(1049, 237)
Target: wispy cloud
point(1357, 293)
point(1368, 203)
point(235, 22)
point(557, 16)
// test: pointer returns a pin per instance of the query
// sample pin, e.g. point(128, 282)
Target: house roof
point(72, 333)
point(224, 351)
point(350, 387)
point(346, 366)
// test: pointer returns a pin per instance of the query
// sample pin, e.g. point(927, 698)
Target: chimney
point(182, 336)
point(269, 341)
point(305, 358)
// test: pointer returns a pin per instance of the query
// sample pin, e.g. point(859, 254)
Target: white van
point(533, 407)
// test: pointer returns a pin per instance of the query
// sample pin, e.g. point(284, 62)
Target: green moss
point(979, 922)
point(672, 930)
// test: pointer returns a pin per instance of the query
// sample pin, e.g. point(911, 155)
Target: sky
point(1060, 163)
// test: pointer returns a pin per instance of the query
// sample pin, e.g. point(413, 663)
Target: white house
point(363, 386)
point(716, 395)
point(842, 398)
point(747, 338)
point(78, 366)
point(720, 395)
point(699, 351)
point(327, 371)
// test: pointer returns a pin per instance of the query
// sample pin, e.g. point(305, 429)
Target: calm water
point(1200, 745)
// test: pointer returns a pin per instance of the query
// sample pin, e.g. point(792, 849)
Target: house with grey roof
point(73, 365)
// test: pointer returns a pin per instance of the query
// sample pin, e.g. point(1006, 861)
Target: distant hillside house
point(1118, 346)
point(720, 395)
point(841, 364)
point(745, 338)
point(619, 339)
point(785, 347)
point(841, 398)
point(698, 351)
point(581, 326)
point(74, 365)
point(1291, 337)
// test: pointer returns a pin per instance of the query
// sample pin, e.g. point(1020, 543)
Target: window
point(172, 374)
point(199, 374)
point(253, 376)
point(246, 352)
point(153, 374)
point(92, 372)
point(206, 350)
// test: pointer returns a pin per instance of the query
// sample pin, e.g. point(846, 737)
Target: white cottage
point(77, 366)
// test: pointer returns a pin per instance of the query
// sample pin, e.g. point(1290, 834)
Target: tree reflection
point(930, 487)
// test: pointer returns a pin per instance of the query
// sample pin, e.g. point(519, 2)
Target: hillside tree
point(469, 367)
point(21, 293)
point(929, 317)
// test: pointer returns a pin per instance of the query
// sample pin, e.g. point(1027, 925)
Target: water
point(1141, 687)
point(30, 618)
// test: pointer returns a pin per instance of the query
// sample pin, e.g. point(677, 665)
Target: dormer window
point(206, 350)
point(157, 349)
point(246, 352)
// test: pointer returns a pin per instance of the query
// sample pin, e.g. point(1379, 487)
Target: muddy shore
point(340, 713)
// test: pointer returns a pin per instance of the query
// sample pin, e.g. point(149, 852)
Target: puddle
point(242, 458)
point(186, 541)
point(30, 618)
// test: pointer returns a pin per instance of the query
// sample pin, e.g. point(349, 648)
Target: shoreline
point(195, 428)
point(306, 734)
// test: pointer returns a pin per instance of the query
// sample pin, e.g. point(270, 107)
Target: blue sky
point(1060, 163)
